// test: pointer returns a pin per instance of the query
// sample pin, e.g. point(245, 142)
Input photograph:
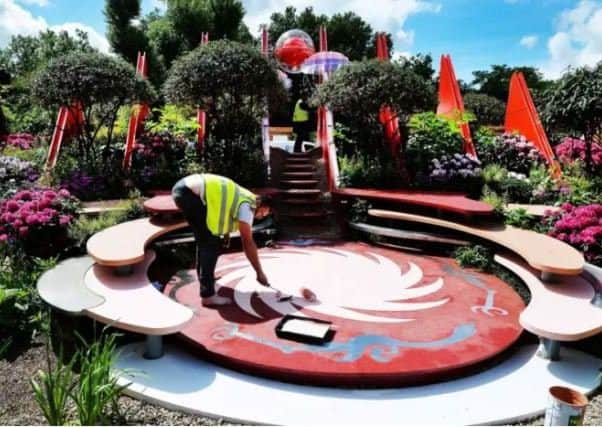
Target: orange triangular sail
point(522, 117)
point(451, 104)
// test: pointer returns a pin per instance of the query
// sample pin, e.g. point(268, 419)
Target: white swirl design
point(343, 281)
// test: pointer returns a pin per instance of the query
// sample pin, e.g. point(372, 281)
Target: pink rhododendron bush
point(571, 149)
point(580, 227)
point(37, 221)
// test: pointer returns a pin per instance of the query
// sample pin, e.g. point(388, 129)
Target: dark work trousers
point(301, 129)
point(207, 245)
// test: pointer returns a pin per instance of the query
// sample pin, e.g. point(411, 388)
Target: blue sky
point(549, 34)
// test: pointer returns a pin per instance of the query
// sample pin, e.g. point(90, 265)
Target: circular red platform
point(400, 319)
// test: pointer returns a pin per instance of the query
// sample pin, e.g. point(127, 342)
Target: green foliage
point(96, 392)
point(176, 120)
point(358, 212)
point(496, 82)
point(492, 198)
point(356, 94)
point(573, 104)
point(494, 174)
point(487, 109)
point(22, 314)
point(102, 83)
point(431, 137)
point(520, 218)
point(477, 256)
point(362, 171)
point(125, 38)
point(52, 389)
point(22, 58)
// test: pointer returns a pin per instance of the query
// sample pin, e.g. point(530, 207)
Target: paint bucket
point(566, 407)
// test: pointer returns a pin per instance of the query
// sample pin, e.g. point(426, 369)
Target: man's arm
point(250, 248)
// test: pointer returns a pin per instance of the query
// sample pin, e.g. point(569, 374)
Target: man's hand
point(262, 279)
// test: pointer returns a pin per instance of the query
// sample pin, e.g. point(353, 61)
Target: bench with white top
point(560, 310)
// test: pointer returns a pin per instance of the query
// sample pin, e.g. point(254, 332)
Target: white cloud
point(17, 20)
point(97, 40)
point(578, 40)
point(382, 15)
point(41, 3)
point(529, 41)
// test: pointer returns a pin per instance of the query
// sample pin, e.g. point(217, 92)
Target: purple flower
point(65, 219)
point(64, 193)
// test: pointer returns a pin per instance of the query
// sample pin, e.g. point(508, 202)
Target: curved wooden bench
point(447, 202)
point(132, 303)
point(546, 254)
point(124, 244)
point(406, 235)
point(559, 311)
point(63, 288)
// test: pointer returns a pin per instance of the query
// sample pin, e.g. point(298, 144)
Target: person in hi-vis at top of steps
point(301, 123)
point(216, 206)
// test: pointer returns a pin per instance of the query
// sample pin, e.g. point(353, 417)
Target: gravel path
point(17, 405)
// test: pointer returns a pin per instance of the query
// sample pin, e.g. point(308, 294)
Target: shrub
point(15, 173)
point(23, 141)
point(363, 171)
point(488, 110)
point(37, 221)
point(431, 137)
point(575, 149)
point(357, 92)
point(177, 121)
point(458, 172)
point(477, 256)
point(511, 151)
point(101, 83)
point(580, 227)
point(158, 160)
point(520, 218)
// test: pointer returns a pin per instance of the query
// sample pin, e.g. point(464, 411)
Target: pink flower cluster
point(571, 149)
point(580, 227)
point(24, 141)
point(31, 210)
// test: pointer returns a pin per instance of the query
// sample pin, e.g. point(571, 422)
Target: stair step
point(300, 183)
point(317, 214)
point(301, 201)
point(299, 162)
point(301, 192)
point(299, 175)
point(303, 155)
point(299, 168)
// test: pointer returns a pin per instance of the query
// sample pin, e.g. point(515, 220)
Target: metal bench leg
point(546, 276)
point(124, 270)
point(597, 300)
point(154, 347)
point(549, 349)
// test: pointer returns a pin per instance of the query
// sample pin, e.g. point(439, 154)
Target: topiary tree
point(574, 104)
point(357, 92)
point(486, 109)
point(231, 82)
point(101, 83)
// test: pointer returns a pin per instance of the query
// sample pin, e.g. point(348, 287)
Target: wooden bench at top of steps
point(62, 286)
point(132, 303)
point(542, 252)
point(406, 235)
point(559, 310)
point(446, 202)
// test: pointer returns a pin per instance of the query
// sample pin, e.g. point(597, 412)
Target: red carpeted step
point(298, 175)
point(301, 215)
point(300, 183)
point(299, 168)
point(302, 202)
point(301, 160)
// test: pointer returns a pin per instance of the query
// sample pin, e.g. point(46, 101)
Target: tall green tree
point(19, 61)
point(496, 82)
point(125, 38)
point(574, 104)
point(348, 33)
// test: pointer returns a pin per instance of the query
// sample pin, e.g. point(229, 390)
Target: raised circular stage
point(400, 319)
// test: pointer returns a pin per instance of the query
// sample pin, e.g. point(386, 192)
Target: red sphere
point(292, 49)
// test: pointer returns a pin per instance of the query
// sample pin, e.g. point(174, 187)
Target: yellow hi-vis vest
point(224, 197)
point(300, 115)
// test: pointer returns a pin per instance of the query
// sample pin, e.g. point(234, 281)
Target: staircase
point(302, 210)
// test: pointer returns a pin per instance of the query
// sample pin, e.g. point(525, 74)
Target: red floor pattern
point(401, 318)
